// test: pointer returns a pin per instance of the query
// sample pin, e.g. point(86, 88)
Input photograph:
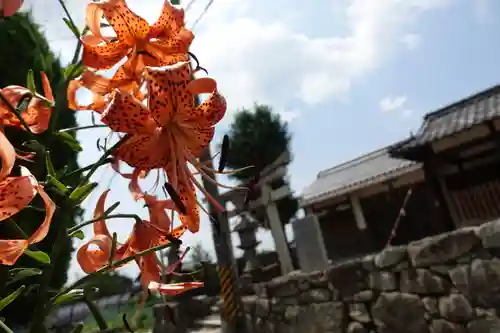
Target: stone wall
point(445, 283)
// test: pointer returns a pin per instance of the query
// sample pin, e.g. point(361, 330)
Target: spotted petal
point(102, 55)
point(11, 250)
point(15, 194)
point(178, 176)
point(144, 151)
point(212, 110)
point(168, 93)
point(171, 20)
point(127, 25)
point(37, 114)
point(128, 115)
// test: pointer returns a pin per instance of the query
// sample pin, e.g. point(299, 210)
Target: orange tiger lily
point(37, 114)
point(164, 43)
point(144, 235)
point(171, 132)
point(16, 192)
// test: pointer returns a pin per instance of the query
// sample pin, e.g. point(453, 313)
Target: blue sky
point(351, 76)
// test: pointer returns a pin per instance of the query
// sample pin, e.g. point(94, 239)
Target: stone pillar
point(310, 248)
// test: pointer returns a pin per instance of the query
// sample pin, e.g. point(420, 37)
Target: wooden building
point(358, 202)
point(458, 147)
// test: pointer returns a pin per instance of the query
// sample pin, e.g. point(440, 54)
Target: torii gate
point(268, 199)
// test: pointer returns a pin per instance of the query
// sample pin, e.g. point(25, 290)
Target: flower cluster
point(152, 102)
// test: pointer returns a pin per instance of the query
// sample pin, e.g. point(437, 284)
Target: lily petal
point(128, 115)
point(91, 260)
point(127, 25)
point(15, 194)
point(212, 110)
point(173, 289)
point(10, 7)
point(102, 55)
point(167, 88)
point(177, 174)
point(170, 21)
point(158, 216)
point(12, 249)
point(37, 114)
point(144, 151)
point(7, 155)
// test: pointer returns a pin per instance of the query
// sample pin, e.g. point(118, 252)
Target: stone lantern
point(246, 230)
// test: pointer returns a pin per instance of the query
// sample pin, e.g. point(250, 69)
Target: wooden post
point(357, 210)
point(276, 230)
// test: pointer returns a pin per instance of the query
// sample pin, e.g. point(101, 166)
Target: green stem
point(15, 112)
point(116, 216)
point(37, 325)
point(78, 128)
point(96, 313)
point(88, 167)
point(5, 328)
point(102, 160)
point(107, 268)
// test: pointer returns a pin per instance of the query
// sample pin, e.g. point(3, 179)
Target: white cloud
point(412, 41)
point(392, 103)
point(260, 56)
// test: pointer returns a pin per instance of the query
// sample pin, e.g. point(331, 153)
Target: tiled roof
point(359, 173)
point(457, 117)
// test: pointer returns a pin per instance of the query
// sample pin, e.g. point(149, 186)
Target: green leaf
point(9, 299)
point(30, 81)
point(78, 234)
point(72, 27)
point(57, 184)
point(73, 295)
point(72, 71)
point(78, 328)
point(81, 192)
point(38, 256)
point(175, 2)
point(22, 273)
point(69, 140)
point(50, 167)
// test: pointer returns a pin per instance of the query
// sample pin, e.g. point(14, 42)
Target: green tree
point(258, 137)
point(26, 48)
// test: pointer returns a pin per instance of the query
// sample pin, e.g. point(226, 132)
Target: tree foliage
point(26, 48)
point(258, 137)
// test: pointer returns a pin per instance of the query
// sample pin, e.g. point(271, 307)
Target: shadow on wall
point(444, 283)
